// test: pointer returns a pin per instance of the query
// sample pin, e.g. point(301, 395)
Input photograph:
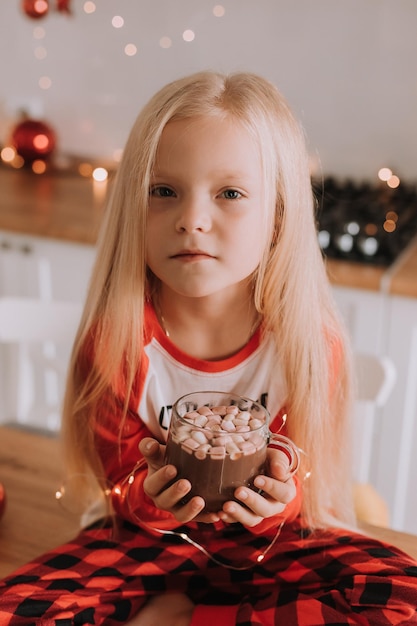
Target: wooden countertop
point(33, 522)
point(60, 207)
point(70, 207)
point(358, 275)
point(30, 470)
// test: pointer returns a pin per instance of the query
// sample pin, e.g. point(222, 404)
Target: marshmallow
point(220, 430)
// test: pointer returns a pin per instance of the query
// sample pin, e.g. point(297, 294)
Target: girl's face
point(205, 231)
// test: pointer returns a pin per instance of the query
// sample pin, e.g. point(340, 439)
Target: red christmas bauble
point(35, 8)
point(63, 6)
point(33, 139)
point(2, 500)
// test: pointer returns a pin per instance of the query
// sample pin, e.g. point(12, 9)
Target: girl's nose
point(194, 216)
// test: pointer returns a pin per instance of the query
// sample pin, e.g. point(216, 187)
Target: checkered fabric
point(107, 573)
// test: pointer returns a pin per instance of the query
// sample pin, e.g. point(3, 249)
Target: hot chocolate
point(218, 448)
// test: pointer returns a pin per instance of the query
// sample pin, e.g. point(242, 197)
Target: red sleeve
point(116, 438)
point(117, 441)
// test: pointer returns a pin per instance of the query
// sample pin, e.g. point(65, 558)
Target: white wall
point(348, 67)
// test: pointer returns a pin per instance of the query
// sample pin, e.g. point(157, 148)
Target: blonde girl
point(208, 271)
point(291, 291)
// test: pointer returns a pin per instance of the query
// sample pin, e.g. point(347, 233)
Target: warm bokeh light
point(130, 50)
point(188, 35)
point(393, 182)
point(219, 10)
point(85, 169)
point(389, 226)
point(384, 173)
point(371, 229)
point(392, 215)
point(39, 166)
point(41, 142)
point(89, 7)
point(40, 7)
point(8, 154)
point(117, 21)
point(45, 82)
point(17, 162)
point(100, 174)
point(38, 32)
point(40, 53)
point(165, 42)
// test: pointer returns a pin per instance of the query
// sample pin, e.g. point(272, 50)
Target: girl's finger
point(279, 464)
point(276, 490)
point(262, 505)
point(159, 480)
point(153, 453)
point(235, 512)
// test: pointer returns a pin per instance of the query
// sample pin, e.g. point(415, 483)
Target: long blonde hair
point(291, 287)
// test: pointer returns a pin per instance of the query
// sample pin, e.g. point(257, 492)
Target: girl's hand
point(166, 494)
point(278, 490)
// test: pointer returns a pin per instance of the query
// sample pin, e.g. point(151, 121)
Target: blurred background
point(347, 67)
point(74, 75)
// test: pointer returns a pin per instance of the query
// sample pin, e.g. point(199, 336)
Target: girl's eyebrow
point(236, 177)
point(232, 175)
point(220, 176)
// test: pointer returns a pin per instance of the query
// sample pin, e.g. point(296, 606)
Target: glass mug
point(219, 441)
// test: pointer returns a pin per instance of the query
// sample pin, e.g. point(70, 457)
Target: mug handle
point(289, 448)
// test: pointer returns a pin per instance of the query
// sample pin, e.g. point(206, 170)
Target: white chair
point(36, 337)
point(375, 377)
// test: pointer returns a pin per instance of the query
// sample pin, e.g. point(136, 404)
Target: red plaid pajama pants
point(107, 573)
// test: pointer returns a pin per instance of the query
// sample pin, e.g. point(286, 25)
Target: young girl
point(209, 277)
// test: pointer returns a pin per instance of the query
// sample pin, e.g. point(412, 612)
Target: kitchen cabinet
point(386, 324)
point(43, 268)
point(396, 463)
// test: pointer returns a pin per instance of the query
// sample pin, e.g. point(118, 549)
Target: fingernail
point(183, 486)
point(170, 471)
point(259, 482)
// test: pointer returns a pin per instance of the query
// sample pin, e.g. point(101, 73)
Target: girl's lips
point(192, 255)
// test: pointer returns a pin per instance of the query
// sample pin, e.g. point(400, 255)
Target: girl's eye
point(231, 194)
point(162, 192)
